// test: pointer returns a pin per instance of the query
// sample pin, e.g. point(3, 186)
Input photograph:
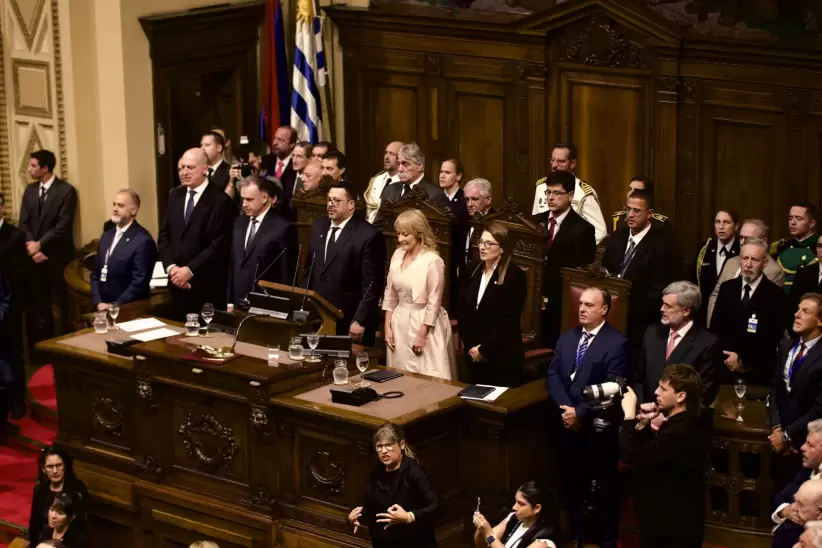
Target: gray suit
point(773, 272)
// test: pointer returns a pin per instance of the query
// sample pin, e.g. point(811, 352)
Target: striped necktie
point(583, 347)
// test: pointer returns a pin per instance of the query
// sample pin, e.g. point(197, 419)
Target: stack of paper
point(159, 278)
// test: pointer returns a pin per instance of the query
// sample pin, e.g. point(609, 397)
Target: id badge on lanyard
point(752, 323)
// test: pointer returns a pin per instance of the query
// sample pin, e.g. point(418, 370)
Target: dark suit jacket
point(12, 253)
point(356, 262)
point(129, 266)
point(394, 191)
point(795, 409)
point(651, 269)
point(460, 211)
point(699, 348)
point(53, 228)
point(706, 276)
point(274, 235)
point(203, 245)
point(670, 461)
point(221, 177)
point(494, 325)
point(730, 323)
point(605, 360)
point(573, 245)
point(287, 180)
point(787, 534)
point(805, 281)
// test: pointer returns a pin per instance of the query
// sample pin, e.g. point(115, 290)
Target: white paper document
point(155, 334)
point(159, 270)
point(158, 282)
point(140, 325)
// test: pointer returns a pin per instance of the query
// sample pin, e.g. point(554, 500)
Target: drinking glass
point(362, 365)
point(273, 354)
point(313, 340)
point(208, 314)
point(340, 372)
point(192, 325)
point(740, 387)
point(100, 322)
point(113, 311)
point(295, 348)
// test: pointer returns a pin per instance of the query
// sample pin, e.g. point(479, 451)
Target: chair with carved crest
point(577, 280)
point(441, 221)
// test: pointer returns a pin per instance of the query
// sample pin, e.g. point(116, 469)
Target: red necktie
point(280, 167)
point(552, 225)
point(671, 344)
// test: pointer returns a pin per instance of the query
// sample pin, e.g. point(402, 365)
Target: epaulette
point(775, 246)
point(659, 217)
point(617, 216)
point(586, 188)
point(540, 181)
point(699, 260)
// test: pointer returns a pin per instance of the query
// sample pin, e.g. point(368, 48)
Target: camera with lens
point(606, 393)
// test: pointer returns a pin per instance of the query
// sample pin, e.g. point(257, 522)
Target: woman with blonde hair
point(417, 328)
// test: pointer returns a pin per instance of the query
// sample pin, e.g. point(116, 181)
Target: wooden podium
point(310, 301)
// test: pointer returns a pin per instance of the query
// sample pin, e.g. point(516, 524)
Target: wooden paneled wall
point(715, 123)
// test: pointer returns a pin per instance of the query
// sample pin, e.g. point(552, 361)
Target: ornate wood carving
point(262, 497)
point(108, 415)
point(325, 473)
point(208, 440)
point(600, 45)
point(151, 466)
point(144, 390)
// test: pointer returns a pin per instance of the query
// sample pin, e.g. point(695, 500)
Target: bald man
point(381, 180)
point(808, 508)
point(195, 238)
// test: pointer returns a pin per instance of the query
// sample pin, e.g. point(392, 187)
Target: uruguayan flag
point(309, 72)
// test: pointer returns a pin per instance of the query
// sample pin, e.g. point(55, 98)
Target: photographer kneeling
point(669, 464)
point(527, 526)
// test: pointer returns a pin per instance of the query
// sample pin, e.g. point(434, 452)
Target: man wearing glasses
point(584, 199)
point(346, 257)
point(570, 242)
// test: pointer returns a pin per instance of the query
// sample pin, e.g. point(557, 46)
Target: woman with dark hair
point(489, 309)
point(62, 514)
point(400, 505)
point(529, 525)
point(56, 477)
point(713, 256)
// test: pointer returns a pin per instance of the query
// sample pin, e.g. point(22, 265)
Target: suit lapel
point(682, 348)
point(124, 240)
point(262, 230)
point(813, 355)
point(345, 235)
point(641, 249)
point(582, 368)
point(488, 288)
point(199, 207)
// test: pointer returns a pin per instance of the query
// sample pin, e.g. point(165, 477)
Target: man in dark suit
point(669, 466)
point(411, 172)
point(571, 242)
point(450, 177)
point(592, 353)
point(808, 279)
point(333, 166)
point(125, 256)
point(678, 339)
point(714, 255)
point(749, 319)
point(12, 273)
point(806, 508)
point(279, 164)
point(796, 392)
point(785, 515)
point(348, 257)
point(47, 220)
point(264, 243)
point(641, 253)
point(195, 238)
point(213, 144)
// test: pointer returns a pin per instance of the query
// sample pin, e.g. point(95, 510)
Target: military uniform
point(372, 194)
point(585, 202)
point(618, 219)
point(793, 254)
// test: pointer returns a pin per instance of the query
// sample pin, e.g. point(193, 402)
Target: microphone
point(301, 315)
point(363, 298)
point(258, 278)
point(297, 267)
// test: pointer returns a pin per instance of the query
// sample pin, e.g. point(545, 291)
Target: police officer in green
point(797, 251)
point(638, 182)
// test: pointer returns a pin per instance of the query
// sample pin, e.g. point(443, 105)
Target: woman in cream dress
point(417, 328)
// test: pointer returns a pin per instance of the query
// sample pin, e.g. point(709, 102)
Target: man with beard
point(125, 256)
point(373, 194)
point(749, 319)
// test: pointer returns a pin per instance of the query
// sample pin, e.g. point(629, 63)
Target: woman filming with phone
point(529, 525)
point(400, 504)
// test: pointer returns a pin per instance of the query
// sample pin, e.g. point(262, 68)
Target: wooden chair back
point(577, 280)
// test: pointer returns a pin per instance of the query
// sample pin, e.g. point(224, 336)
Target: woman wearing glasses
point(56, 477)
point(400, 505)
point(417, 328)
point(489, 310)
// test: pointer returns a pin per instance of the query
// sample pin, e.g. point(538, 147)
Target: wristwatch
point(490, 540)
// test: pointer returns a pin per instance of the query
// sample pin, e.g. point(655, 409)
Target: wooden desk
point(175, 451)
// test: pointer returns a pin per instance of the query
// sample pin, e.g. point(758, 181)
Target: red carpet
point(41, 388)
point(18, 468)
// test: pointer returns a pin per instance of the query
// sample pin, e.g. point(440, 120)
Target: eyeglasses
point(335, 201)
point(54, 467)
point(388, 447)
point(555, 193)
point(486, 243)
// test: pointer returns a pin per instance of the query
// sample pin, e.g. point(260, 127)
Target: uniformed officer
point(713, 256)
point(585, 201)
point(381, 180)
point(639, 182)
point(799, 250)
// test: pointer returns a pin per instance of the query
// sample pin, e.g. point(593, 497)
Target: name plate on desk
point(266, 312)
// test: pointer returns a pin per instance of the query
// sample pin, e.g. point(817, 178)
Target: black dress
point(74, 537)
point(409, 487)
point(44, 497)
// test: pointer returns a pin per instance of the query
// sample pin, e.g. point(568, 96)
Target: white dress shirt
point(681, 333)
point(213, 169)
point(786, 368)
point(557, 219)
point(117, 235)
point(754, 284)
point(341, 226)
point(637, 237)
point(775, 516)
point(259, 218)
point(44, 187)
point(593, 335)
point(1, 222)
point(198, 193)
point(451, 196)
point(720, 258)
point(484, 283)
point(285, 161)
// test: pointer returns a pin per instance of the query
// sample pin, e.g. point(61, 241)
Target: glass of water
point(100, 322)
point(313, 340)
point(273, 354)
point(208, 314)
point(192, 325)
point(740, 388)
point(295, 348)
point(362, 365)
point(113, 311)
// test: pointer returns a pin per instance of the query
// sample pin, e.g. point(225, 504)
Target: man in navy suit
point(125, 256)
point(348, 256)
point(264, 243)
point(592, 353)
point(785, 516)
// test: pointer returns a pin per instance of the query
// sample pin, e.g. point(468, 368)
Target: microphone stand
point(301, 315)
point(244, 301)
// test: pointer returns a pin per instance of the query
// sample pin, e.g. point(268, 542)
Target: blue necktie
point(189, 205)
point(583, 347)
